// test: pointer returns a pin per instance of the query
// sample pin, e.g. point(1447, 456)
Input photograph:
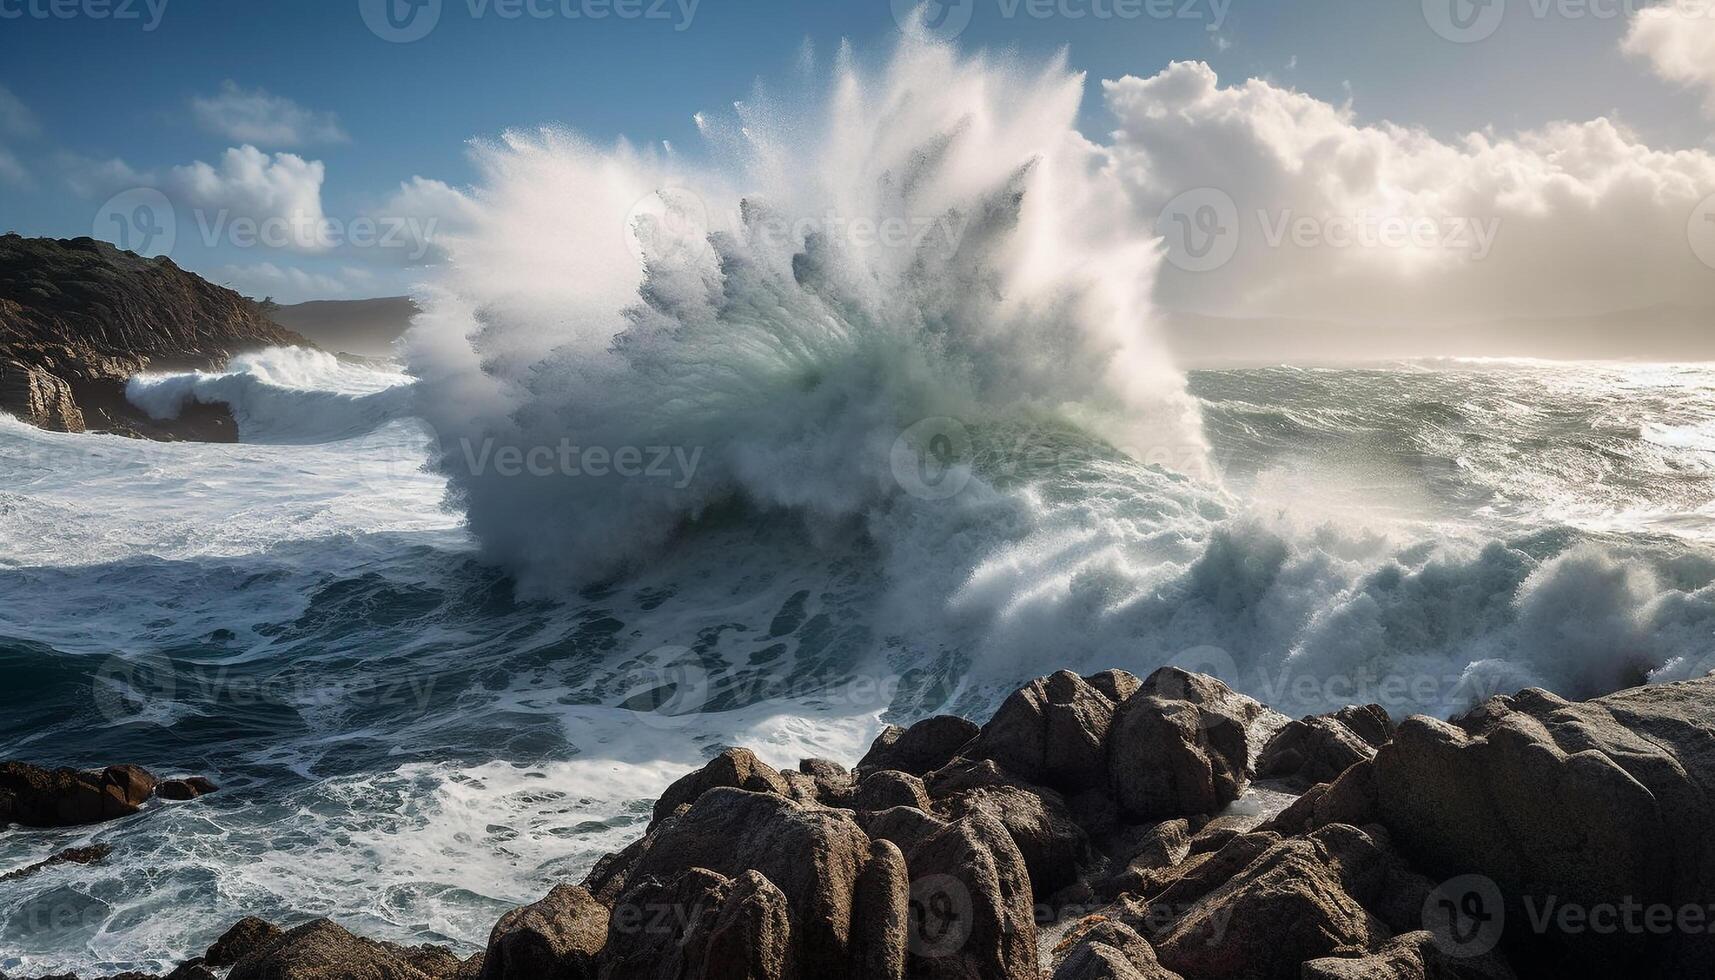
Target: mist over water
point(905, 471)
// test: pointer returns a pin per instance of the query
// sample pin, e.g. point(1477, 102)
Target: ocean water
point(667, 466)
point(407, 741)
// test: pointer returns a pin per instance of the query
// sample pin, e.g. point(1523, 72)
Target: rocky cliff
point(79, 317)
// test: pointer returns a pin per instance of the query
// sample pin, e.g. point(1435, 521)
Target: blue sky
point(79, 91)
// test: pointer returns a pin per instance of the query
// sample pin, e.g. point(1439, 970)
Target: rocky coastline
point(1105, 827)
point(79, 318)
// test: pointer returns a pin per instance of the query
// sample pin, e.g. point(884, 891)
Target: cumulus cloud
point(247, 195)
point(261, 118)
point(426, 215)
point(1677, 38)
point(1318, 215)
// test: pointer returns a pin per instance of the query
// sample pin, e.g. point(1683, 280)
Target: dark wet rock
point(646, 932)
point(71, 855)
point(737, 768)
point(1052, 732)
point(69, 797)
point(925, 746)
point(815, 857)
point(322, 950)
point(1351, 798)
point(1108, 950)
point(881, 906)
point(558, 936)
point(748, 937)
point(822, 769)
point(1118, 685)
point(1319, 748)
point(1590, 805)
point(972, 911)
point(905, 826)
point(1040, 823)
point(1193, 879)
point(188, 788)
point(886, 788)
point(1180, 745)
point(1137, 852)
point(1294, 903)
point(247, 936)
point(1412, 956)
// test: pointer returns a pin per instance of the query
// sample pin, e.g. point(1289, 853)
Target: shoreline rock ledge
point(1107, 827)
point(79, 318)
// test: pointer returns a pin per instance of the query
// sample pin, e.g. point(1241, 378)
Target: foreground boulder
point(1596, 807)
point(322, 950)
point(1319, 748)
point(558, 936)
point(1053, 732)
point(1181, 744)
point(925, 746)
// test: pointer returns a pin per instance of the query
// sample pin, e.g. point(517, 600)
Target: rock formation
point(79, 318)
point(1086, 833)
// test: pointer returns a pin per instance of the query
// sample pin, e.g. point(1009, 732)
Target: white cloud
point(1585, 217)
point(257, 117)
point(1677, 37)
point(429, 214)
point(247, 192)
point(12, 171)
point(16, 119)
point(248, 183)
point(292, 285)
